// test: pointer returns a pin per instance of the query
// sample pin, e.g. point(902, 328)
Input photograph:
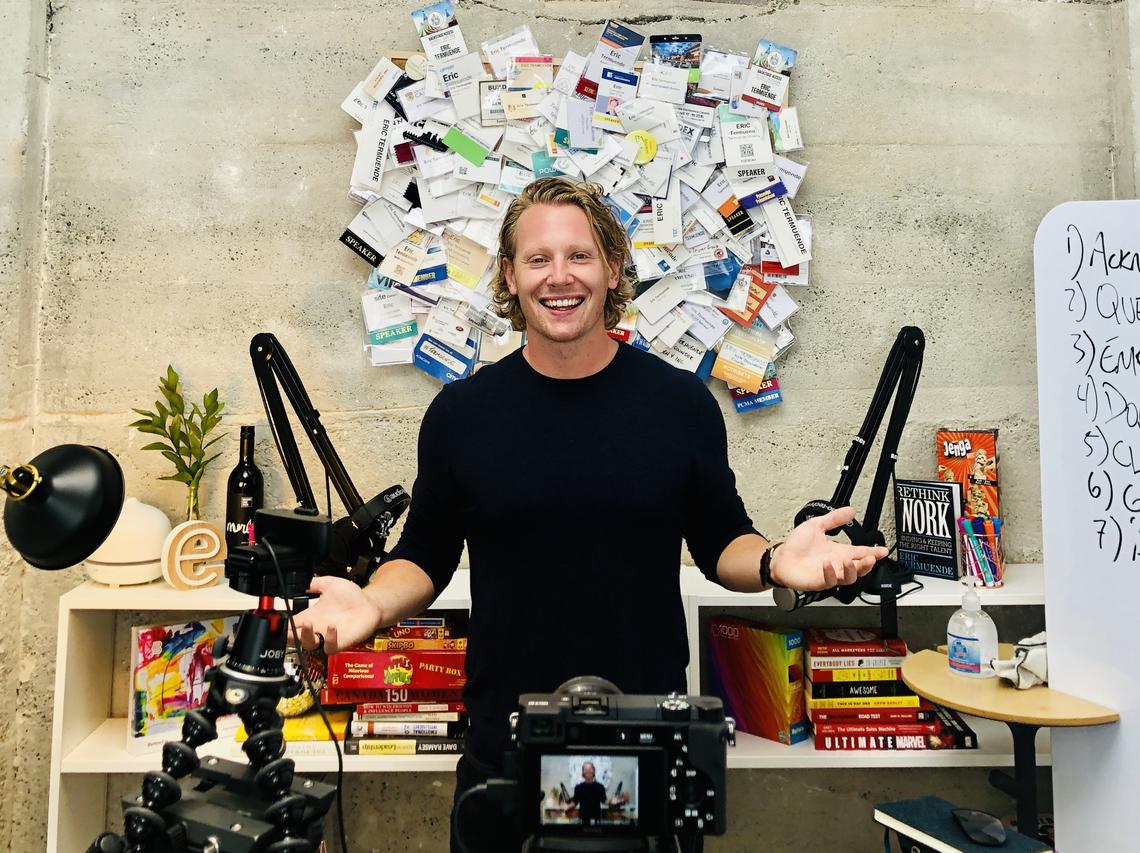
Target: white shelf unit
point(88, 743)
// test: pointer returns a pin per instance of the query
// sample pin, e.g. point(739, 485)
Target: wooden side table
point(1024, 711)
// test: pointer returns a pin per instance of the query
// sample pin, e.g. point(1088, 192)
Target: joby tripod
point(233, 807)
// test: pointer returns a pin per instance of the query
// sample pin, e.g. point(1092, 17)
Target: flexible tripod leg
point(144, 824)
point(273, 774)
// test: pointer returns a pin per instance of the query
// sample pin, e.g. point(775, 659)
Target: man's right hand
point(344, 614)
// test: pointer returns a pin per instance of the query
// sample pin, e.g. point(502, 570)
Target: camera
point(598, 770)
point(300, 538)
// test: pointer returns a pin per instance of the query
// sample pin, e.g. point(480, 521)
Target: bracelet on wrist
point(766, 578)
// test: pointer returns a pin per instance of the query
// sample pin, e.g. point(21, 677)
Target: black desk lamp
point(62, 505)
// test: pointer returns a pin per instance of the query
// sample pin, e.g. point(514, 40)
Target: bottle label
point(964, 654)
point(246, 501)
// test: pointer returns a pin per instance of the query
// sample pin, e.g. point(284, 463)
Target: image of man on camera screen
point(589, 805)
point(573, 469)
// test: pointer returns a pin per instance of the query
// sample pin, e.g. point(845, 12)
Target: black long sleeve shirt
point(573, 497)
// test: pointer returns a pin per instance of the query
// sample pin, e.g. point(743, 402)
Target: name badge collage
point(689, 143)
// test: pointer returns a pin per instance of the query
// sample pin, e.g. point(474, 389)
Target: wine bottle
point(243, 493)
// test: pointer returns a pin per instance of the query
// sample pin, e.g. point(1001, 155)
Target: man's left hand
point(810, 560)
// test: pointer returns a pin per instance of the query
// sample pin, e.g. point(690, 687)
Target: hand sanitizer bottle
point(971, 638)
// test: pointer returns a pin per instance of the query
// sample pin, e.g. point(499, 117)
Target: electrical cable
point(315, 694)
point(456, 812)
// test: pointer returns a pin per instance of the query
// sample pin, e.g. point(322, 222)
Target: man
point(589, 794)
point(572, 469)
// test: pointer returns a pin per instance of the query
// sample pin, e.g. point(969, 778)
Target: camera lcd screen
point(586, 789)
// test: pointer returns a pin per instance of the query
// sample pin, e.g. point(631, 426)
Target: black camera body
point(301, 539)
point(661, 760)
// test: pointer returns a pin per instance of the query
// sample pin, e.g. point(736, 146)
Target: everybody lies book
point(926, 515)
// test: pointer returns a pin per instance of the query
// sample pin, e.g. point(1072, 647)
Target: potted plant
point(185, 433)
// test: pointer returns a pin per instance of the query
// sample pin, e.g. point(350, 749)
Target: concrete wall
point(1128, 88)
point(24, 84)
point(198, 163)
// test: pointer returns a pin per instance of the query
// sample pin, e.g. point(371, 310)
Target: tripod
point(233, 807)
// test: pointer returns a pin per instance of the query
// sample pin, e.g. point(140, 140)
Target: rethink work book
point(926, 530)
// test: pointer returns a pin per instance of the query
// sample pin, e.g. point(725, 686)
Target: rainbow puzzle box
point(757, 671)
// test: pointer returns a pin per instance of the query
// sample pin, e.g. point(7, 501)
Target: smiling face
point(560, 276)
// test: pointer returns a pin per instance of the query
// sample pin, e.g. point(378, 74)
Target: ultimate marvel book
point(951, 732)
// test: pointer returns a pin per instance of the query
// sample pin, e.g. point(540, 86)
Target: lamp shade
point(71, 511)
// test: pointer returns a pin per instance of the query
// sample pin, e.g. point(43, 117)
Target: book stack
point(856, 698)
point(405, 687)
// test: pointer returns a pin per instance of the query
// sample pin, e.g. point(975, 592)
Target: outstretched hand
point(810, 560)
point(343, 615)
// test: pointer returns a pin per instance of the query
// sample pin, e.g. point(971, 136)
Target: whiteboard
point(1086, 260)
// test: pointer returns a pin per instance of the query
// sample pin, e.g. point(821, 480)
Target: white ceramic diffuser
point(133, 552)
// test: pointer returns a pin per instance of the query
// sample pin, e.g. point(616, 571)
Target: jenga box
point(757, 671)
point(970, 457)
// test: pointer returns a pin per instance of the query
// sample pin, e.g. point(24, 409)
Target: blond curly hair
point(608, 233)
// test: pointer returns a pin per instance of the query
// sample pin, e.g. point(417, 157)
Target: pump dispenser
point(971, 637)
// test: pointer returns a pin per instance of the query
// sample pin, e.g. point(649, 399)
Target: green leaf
point(157, 445)
point(212, 441)
point(151, 429)
point(195, 446)
point(139, 424)
point(195, 430)
point(171, 376)
point(163, 412)
point(211, 459)
point(179, 478)
point(173, 399)
point(210, 401)
point(177, 460)
point(145, 413)
point(175, 428)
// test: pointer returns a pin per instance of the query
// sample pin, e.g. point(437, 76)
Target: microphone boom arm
point(359, 538)
point(899, 378)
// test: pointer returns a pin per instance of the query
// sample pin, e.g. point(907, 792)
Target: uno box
point(757, 671)
point(415, 670)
